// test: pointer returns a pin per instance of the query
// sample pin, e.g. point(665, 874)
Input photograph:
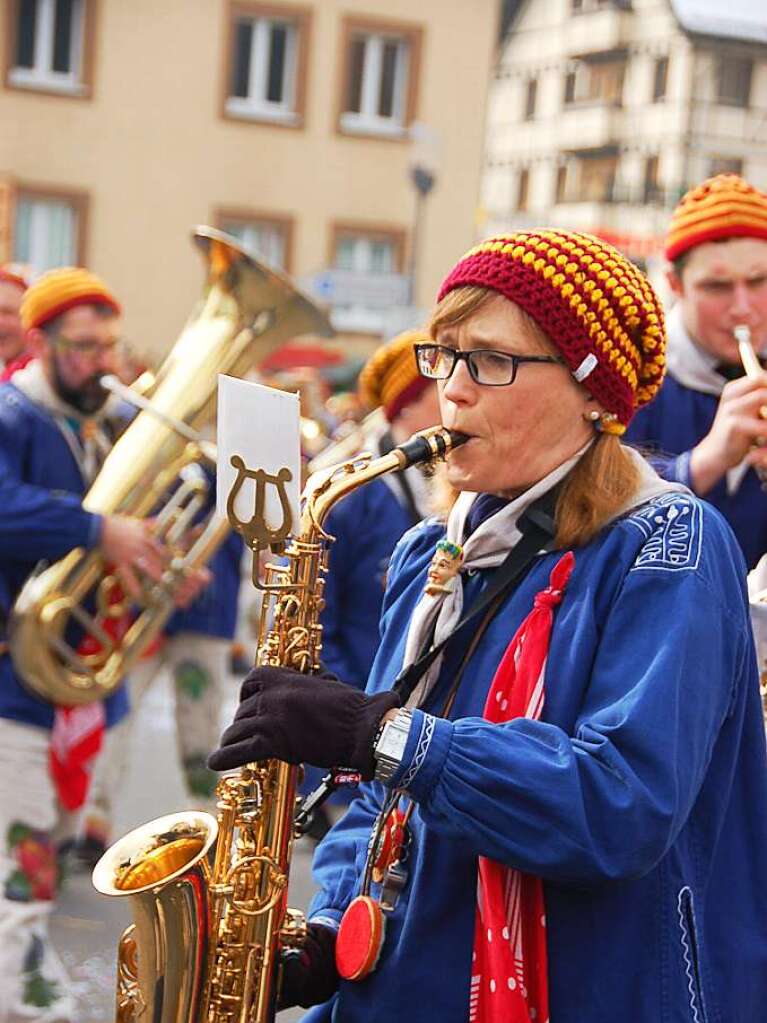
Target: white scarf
point(487, 547)
point(91, 444)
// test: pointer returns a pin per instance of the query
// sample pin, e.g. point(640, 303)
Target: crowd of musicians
point(540, 660)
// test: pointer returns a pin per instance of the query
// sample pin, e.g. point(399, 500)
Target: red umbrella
point(297, 356)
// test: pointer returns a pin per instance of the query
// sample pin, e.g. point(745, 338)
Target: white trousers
point(198, 665)
point(33, 982)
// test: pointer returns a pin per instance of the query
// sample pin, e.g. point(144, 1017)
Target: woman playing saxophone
point(564, 801)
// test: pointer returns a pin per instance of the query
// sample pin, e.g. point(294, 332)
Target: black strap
point(385, 445)
point(538, 529)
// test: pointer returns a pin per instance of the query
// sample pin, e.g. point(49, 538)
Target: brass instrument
point(60, 636)
point(209, 897)
point(753, 368)
point(354, 441)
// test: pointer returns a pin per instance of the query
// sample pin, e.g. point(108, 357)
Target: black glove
point(309, 976)
point(303, 719)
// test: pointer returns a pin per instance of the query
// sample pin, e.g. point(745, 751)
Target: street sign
point(350, 288)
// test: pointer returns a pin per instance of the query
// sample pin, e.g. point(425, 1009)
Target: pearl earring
point(591, 416)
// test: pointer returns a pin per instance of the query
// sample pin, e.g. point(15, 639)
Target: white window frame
point(362, 258)
point(39, 231)
point(42, 75)
point(368, 121)
point(255, 105)
point(274, 238)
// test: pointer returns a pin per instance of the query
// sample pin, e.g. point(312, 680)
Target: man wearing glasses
point(56, 427)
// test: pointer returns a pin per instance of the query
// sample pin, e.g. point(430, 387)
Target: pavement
point(86, 926)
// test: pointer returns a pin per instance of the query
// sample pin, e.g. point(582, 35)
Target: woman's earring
point(591, 416)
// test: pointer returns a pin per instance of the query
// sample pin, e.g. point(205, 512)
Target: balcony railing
point(604, 30)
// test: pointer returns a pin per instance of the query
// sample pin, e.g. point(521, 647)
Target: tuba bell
point(63, 638)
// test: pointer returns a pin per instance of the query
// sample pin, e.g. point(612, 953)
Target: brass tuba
point(60, 636)
point(209, 896)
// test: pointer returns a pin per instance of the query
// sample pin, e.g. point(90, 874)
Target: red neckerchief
point(509, 976)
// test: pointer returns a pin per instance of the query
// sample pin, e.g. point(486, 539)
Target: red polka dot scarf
point(509, 982)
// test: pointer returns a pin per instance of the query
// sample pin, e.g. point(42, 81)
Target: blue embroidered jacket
point(41, 518)
point(640, 797)
point(674, 422)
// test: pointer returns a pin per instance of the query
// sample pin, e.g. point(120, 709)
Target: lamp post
point(423, 164)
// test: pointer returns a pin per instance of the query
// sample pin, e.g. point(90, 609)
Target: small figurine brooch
point(445, 566)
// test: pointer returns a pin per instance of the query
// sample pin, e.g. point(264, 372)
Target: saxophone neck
point(325, 488)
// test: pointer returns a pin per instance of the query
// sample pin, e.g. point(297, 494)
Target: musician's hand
point(191, 586)
point(303, 719)
point(309, 976)
point(736, 429)
point(128, 544)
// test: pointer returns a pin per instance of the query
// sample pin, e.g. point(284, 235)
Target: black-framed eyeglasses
point(486, 366)
point(89, 349)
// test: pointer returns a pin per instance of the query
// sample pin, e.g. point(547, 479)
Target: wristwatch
point(389, 745)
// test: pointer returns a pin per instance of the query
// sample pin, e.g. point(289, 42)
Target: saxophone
point(209, 894)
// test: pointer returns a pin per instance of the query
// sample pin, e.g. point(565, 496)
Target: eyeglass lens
point(486, 367)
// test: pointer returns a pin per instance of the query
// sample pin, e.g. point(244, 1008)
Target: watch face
point(393, 740)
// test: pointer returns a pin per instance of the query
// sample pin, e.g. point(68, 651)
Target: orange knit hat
point(11, 276)
point(390, 377)
point(59, 290)
point(722, 207)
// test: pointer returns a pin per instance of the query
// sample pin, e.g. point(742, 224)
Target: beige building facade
point(603, 112)
point(298, 127)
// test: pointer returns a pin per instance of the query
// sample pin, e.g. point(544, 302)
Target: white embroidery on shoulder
point(672, 526)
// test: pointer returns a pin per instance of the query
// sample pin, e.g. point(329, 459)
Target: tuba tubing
point(246, 310)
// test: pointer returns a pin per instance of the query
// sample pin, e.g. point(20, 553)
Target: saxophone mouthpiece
point(429, 445)
point(742, 334)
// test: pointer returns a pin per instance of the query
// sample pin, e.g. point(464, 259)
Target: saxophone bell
point(209, 898)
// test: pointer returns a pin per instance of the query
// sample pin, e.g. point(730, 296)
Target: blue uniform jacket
point(367, 525)
point(674, 422)
point(640, 797)
point(41, 518)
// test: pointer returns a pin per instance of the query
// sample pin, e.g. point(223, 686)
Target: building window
point(734, 81)
point(367, 253)
point(267, 60)
point(725, 165)
point(560, 189)
point(48, 48)
point(523, 188)
point(596, 81)
point(660, 79)
point(48, 230)
point(569, 93)
point(652, 192)
point(531, 95)
point(267, 236)
point(597, 178)
point(380, 78)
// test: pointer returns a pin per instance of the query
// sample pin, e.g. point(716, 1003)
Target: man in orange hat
point(12, 353)
point(56, 426)
point(708, 416)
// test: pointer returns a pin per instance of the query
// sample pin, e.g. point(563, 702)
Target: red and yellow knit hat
point(11, 276)
point(722, 207)
point(597, 308)
point(59, 290)
point(390, 377)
